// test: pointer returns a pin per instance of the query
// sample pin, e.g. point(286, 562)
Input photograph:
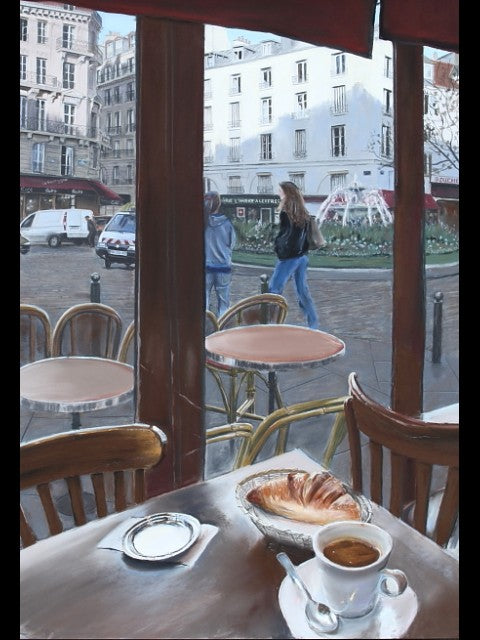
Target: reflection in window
point(66, 166)
point(38, 157)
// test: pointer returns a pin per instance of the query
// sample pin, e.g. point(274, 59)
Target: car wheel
point(54, 242)
point(108, 263)
point(78, 241)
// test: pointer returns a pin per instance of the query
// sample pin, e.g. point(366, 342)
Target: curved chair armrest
point(295, 413)
point(229, 431)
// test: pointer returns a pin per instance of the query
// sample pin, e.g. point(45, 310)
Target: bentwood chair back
point(211, 322)
point(127, 345)
point(415, 448)
point(261, 308)
point(88, 329)
point(121, 450)
point(35, 334)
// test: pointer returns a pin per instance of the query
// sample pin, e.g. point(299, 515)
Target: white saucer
point(390, 618)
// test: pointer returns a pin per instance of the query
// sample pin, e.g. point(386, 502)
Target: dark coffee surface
point(351, 552)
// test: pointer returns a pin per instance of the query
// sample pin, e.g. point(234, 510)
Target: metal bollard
point(264, 283)
point(95, 287)
point(437, 326)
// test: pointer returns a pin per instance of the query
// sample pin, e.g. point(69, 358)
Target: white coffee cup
point(349, 591)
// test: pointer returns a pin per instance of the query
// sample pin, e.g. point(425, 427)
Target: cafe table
point(272, 348)
point(72, 588)
point(75, 384)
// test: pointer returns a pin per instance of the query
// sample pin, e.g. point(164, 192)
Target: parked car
point(54, 226)
point(116, 242)
point(24, 245)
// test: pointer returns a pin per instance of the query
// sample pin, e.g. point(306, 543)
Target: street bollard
point(437, 326)
point(264, 283)
point(95, 287)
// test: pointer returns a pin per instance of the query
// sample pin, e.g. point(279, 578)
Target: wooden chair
point(125, 351)
point(262, 308)
point(415, 447)
point(88, 329)
point(35, 334)
point(133, 448)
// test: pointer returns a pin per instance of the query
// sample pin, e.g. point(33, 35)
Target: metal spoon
point(319, 617)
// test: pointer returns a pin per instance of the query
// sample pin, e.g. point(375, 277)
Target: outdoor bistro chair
point(87, 329)
point(35, 334)
point(262, 308)
point(127, 448)
point(125, 351)
point(415, 448)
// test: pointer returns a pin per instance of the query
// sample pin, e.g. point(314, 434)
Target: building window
point(66, 165)
point(339, 64)
point(298, 179)
point(116, 174)
point(300, 149)
point(426, 103)
point(266, 146)
point(235, 184)
point(41, 70)
point(387, 101)
point(386, 141)
point(234, 151)
point(427, 164)
point(69, 118)
point(116, 149)
point(67, 36)
point(265, 77)
point(129, 174)
point(337, 181)
point(300, 105)
point(108, 96)
point(129, 151)
point(207, 89)
point(265, 183)
point(235, 84)
point(301, 75)
point(41, 32)
point(117, 122)
point(38, 157)
point(234, 115)
point(207, 118)
point(94, 156)
point(41, 115)
point(23, 112)
point(130, 94)
point(23, 29)
point(130, 120)
point(388, 67)
point(116, 95)
point(93, 124)
point(207, 151)
point(23, 67)
point(338, 141)
point(266, 107)
point(238, 54)
point(339, 100)
point(68, 75)
point(131, 65)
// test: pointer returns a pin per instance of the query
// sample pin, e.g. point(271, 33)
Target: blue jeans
point(221, 283)
point(296, 267)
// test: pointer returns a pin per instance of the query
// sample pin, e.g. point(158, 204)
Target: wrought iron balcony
point(234, 124)
point(207, 159)
point(234, 157)
point(79, 46)
point(265, 189)
point(235, 190)
point(299, 79)
point(40, 79)
point(300, 153)
point(58, 127)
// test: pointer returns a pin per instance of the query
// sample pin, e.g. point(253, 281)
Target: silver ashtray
point(161, 536)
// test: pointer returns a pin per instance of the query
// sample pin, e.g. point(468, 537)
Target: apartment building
point(60, 139)
point(116, 88)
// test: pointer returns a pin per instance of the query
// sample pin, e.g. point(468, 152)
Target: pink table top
point(273, 346)
point(75, 384)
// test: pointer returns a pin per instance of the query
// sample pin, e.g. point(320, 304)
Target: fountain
point(355, 203)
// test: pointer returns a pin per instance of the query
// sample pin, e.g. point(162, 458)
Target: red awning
point(68, 185)
point(389, 197)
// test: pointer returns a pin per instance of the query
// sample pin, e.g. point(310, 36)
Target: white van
point(54, 226)
point(116, 243)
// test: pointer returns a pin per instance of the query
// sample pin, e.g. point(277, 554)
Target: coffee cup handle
point(396, 576)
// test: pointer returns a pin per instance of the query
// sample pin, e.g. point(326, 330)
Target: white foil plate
point(161, 536)
point(390, 618)
point(285, 530)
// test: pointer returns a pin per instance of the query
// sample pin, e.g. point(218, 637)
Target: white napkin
point(113, 540)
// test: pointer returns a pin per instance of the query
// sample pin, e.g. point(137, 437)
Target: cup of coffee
point(351, 559)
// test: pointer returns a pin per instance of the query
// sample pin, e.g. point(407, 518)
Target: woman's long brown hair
point(293, 204)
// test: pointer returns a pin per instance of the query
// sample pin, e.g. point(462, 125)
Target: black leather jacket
point(291, 241)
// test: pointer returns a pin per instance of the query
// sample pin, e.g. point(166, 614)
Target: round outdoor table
point(75, 384)
point(273, 347)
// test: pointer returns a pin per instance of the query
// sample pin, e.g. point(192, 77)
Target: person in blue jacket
point(291, 247)
point(219, 242)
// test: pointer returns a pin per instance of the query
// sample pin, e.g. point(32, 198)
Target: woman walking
point(291, 247)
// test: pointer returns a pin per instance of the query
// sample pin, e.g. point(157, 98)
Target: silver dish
point(161, 536)
point(284, 530)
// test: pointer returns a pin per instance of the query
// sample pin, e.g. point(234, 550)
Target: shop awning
point(67, 185)
point(389, 197)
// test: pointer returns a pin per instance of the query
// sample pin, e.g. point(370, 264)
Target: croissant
point(316, 498)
